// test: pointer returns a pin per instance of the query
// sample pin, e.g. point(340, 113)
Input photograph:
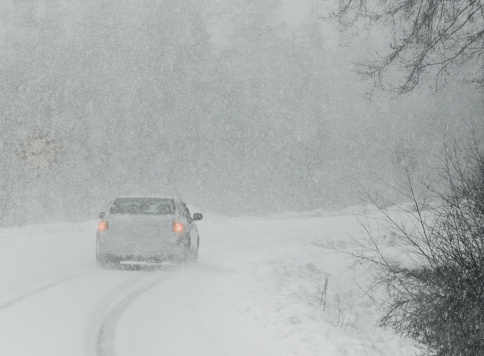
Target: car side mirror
point(197, 216)
point(102, 214)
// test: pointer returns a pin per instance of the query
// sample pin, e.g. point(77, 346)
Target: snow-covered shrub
point(437, 295)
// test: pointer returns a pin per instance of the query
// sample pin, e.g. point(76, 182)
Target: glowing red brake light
point(103, 226)
point(177, 227)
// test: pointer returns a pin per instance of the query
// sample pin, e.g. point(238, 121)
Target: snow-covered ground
point(258, 289)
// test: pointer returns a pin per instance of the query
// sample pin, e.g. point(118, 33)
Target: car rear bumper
point(153, 258)
point(109, 248)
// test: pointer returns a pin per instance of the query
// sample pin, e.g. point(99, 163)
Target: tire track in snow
point(36, 291)
point(105, 337)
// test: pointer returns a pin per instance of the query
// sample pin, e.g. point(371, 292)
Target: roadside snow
point(288, 297)
point(40, 256)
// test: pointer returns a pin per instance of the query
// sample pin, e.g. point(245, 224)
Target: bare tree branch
point(427, 34)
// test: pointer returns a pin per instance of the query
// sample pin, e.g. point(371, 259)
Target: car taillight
point(177, 227)
point(103, 226)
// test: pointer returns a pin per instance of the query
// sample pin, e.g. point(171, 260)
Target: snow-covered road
point(257, 290)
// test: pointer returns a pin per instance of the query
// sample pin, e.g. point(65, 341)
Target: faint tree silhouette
point(39, 152)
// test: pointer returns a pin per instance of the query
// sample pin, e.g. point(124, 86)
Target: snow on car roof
point(156, 196)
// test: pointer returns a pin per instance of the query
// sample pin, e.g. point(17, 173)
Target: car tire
point(192, 255)
point(100, 262)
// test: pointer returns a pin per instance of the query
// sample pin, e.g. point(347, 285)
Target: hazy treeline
point(224, 103)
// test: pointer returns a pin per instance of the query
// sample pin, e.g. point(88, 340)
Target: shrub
point(438, 298)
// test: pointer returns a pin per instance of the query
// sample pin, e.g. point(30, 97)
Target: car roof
point(145, 196)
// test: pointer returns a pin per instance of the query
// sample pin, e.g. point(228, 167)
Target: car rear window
point(143, 206)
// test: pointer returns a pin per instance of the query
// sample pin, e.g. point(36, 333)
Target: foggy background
point(240, 107)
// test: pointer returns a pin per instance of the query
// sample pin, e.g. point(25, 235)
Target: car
point(141, 229)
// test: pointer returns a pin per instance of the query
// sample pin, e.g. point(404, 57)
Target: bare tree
point(427, 36)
